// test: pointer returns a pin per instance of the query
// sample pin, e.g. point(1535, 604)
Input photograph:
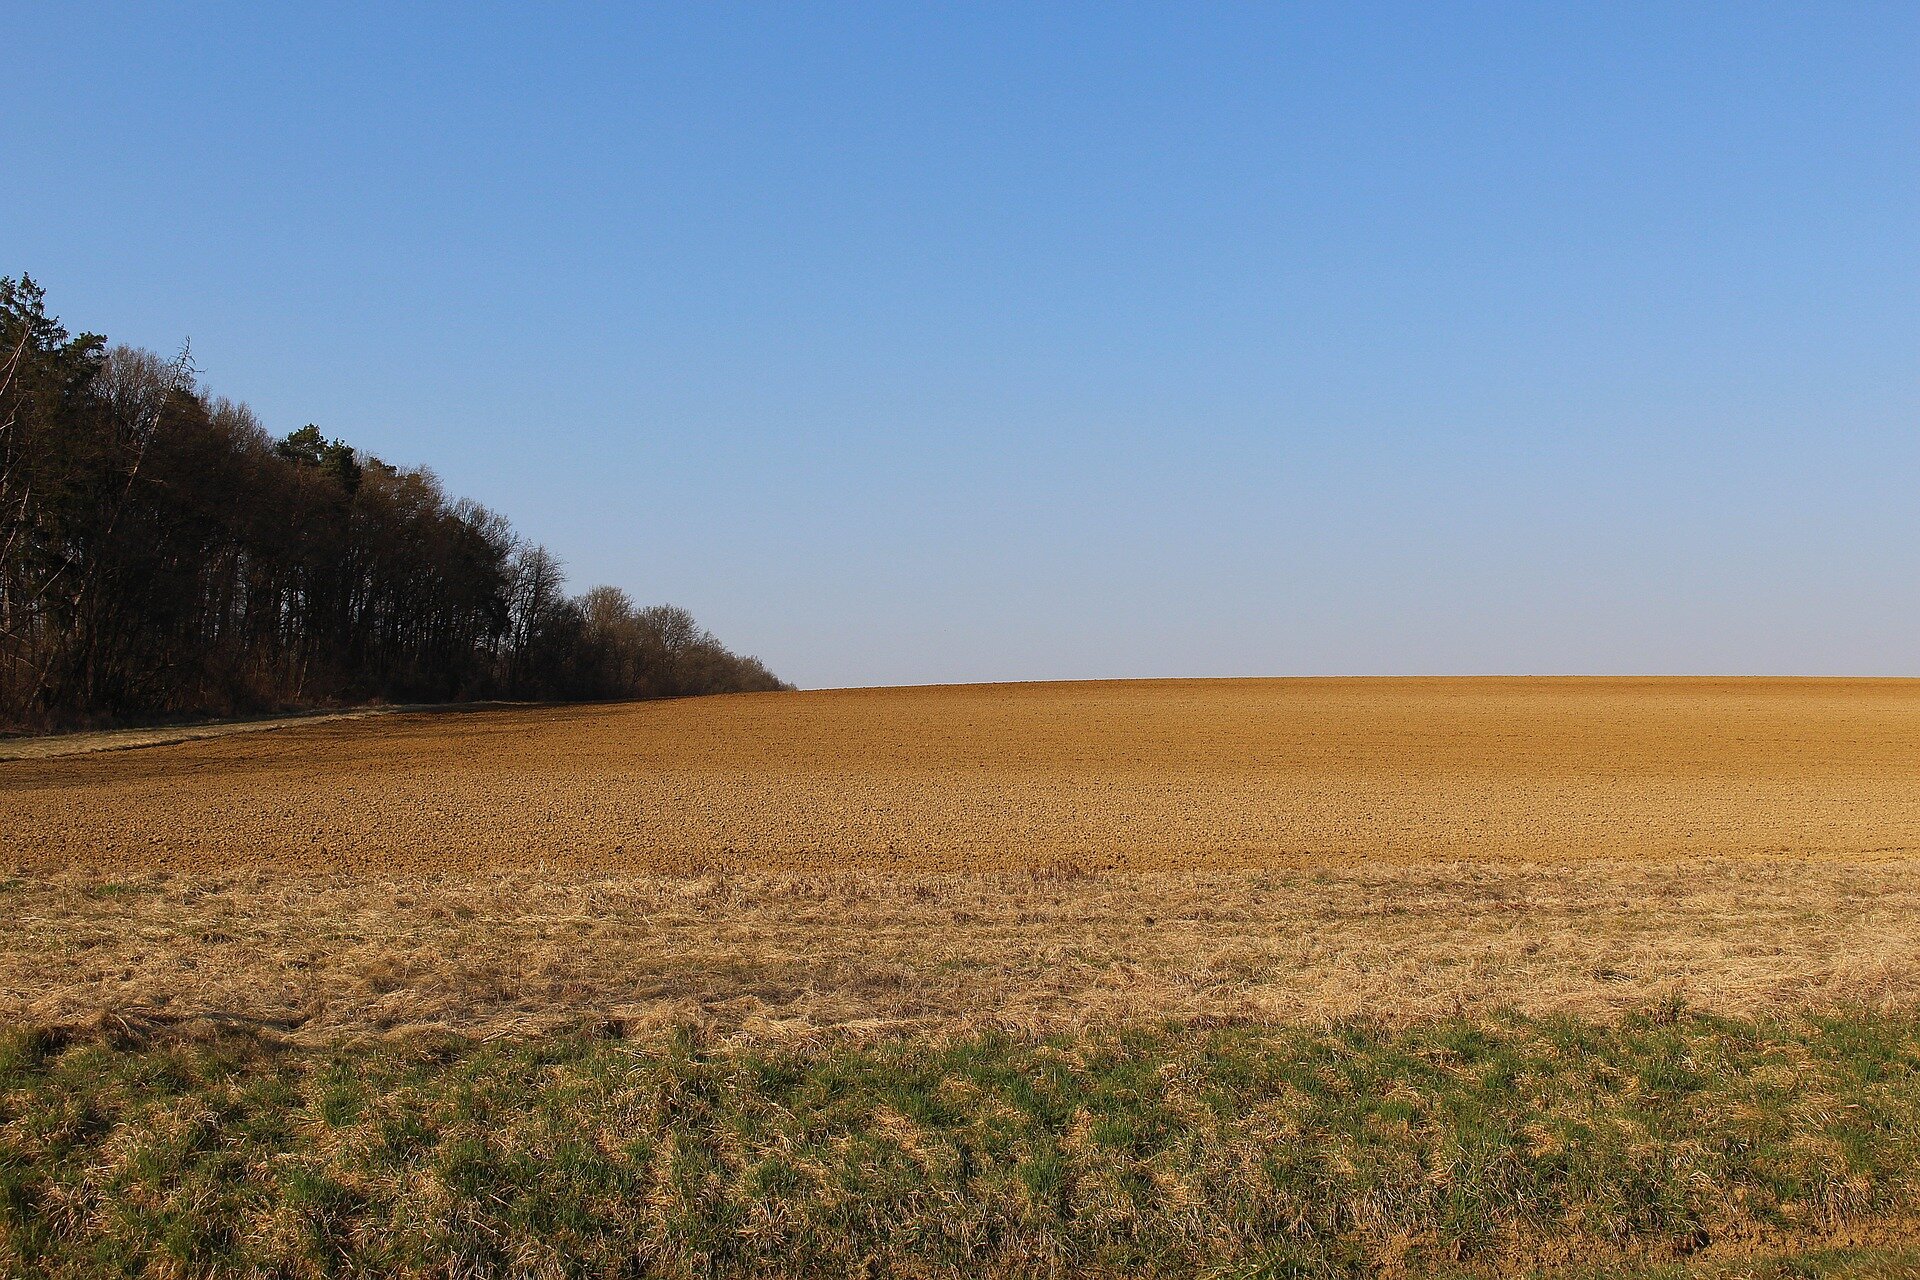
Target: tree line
point(162, 555)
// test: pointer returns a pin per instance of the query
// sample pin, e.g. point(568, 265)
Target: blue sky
point(922, 342)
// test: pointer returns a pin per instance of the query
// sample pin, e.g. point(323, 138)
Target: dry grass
point(780, 958)
point(1134, 776)
point(53, 746)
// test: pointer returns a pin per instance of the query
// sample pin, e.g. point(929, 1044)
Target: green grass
point(1668, 1145)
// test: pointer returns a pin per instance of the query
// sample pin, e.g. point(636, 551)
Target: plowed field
point(1124, 776)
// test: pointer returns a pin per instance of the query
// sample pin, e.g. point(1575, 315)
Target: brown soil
point(1138, 776)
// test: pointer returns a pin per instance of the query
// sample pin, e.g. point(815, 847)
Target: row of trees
point(161, 554)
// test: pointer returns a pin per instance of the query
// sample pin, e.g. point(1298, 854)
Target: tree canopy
point(162, 555)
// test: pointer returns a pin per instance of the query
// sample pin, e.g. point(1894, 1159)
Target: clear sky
point(924, 342)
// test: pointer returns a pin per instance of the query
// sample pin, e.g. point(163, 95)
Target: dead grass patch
point(776, 957)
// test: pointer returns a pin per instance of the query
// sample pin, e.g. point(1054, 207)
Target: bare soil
point(989, 779)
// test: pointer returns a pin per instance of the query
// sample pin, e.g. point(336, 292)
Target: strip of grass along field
point(1668, 1140)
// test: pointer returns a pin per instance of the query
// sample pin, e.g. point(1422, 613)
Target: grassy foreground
point(1670, 1144)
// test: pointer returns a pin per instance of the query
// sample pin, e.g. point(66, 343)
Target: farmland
point(1466, 951)
point(1126, 776)
point(1034, 856)
point(1024, 855)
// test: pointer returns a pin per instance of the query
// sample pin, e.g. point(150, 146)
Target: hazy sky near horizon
point(910, 343)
